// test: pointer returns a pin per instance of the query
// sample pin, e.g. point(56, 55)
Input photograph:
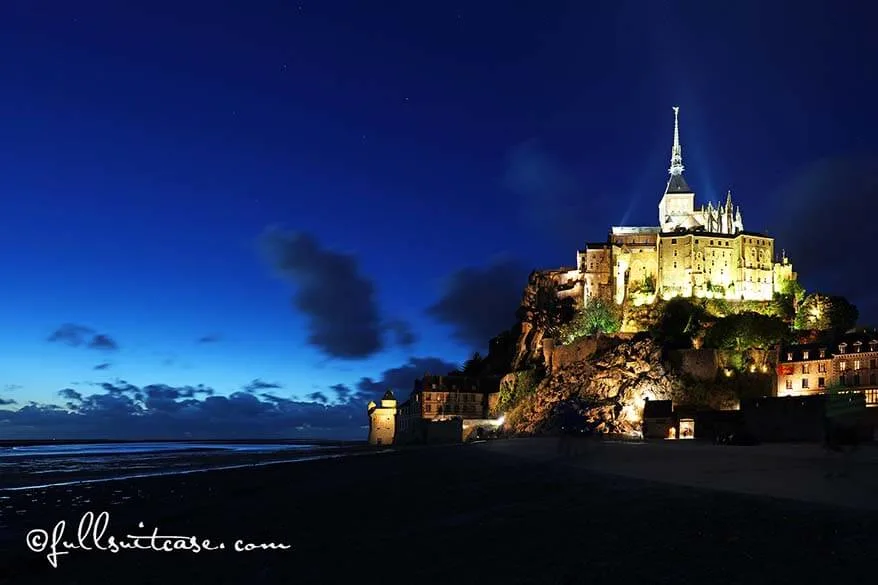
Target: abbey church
point(703, 252)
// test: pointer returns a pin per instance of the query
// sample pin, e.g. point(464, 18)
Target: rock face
point(607, 390)
point(548, 299)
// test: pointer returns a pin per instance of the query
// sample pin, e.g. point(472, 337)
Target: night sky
point(249, 218)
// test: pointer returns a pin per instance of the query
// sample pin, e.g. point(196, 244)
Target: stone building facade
point(382, 420)
point(850, 362)
point(443, 398)
point(692, 252)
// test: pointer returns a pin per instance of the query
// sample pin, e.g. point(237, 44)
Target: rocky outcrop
point(607, 390)
point(549, 299)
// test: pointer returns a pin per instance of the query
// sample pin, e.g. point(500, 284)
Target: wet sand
point(504, 512)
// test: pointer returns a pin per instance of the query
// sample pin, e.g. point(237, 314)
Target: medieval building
point(704, 252)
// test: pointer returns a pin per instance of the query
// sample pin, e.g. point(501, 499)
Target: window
point(805, 354)
point(428, 408)
point(675, 264)
point(789, 356)
point(821, 368)
point(821, 382)
point(675, 252)
point(806, 368)
point(856, 364)
point(872, 363)
point(858, 345)
point(804, 383)
point(822, 353)
point(673, 241)
point(856, 379)
point(428, 396)
point(789, 384)
point(842, 347)
point(872, 380)
point(842, 365)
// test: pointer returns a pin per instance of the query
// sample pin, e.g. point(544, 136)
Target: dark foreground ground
point(466, 514)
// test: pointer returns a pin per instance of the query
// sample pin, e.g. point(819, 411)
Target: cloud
point(257, 385)
point(824, 218)
point(210, 338)
point(400, 379)
point(401, 332)
point(70, 394)
point(339, 302)
point(103, 366)
point(7, 401)
point(120, 410)
point(103, 342)
point(80, 335)
point(318, 397)
point(479, 303)
point(12, 387)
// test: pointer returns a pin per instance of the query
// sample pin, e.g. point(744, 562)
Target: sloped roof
point(677, 184)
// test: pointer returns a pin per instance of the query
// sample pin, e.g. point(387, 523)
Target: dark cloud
point(121, 410)
point(82, 336)
point(257, 385)
point(824, 218)
point(103, 366)
point(318, 397)
point(103, 342)
point(549, 194)
point(12, 387)
point(479, 303)
point(400, 379)
point(402, 332)
point(344, 320)
point(210, 338)
point(70, 394)
point(7, 401)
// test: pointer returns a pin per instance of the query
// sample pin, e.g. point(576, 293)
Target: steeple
point(677, 184)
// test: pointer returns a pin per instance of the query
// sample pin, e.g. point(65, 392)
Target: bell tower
point(678, 202)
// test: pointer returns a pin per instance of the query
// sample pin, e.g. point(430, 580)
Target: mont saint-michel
point(692, 252)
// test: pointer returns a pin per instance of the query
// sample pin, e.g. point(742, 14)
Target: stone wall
point(583, 348)
point(701, 364)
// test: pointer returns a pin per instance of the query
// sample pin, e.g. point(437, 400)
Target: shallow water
point(46, 465)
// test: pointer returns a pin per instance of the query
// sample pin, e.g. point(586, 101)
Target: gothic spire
point(677, 184)
point(677, 150)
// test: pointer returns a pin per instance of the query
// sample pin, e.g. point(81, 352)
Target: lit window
point(821, 382)
point(805, 354)
point(822, 353)
point(856, 364)
point(842, 366)
point(821, 368)
point(789, 356)
point(806, 368)
point(789, 384)
point(804, 383)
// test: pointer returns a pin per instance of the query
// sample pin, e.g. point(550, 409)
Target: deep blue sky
point(297, 204)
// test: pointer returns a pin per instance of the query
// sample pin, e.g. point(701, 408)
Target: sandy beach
point(502, 512)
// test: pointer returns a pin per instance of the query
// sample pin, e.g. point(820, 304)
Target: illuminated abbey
point(703, 252)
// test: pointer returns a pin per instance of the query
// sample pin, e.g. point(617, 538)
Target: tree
point(842, 314)
point(679, 322)
point(826, 313)
point(597, 316)
point(747, 331)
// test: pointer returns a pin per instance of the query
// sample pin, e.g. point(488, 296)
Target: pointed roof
point(677, 184)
